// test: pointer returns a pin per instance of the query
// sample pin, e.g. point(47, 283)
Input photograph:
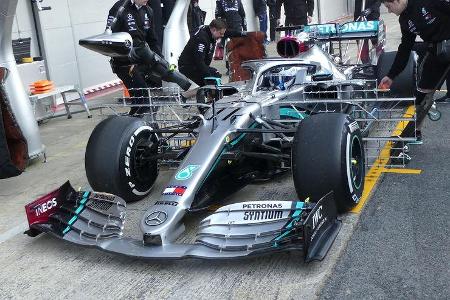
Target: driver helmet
point(285, 78)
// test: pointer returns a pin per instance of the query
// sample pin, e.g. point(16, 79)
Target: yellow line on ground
point(378, 167)
point(402, 171)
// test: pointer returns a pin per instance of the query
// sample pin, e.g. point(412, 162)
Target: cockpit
point(282, 77)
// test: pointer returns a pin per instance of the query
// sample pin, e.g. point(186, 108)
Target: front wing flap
point(237, 230)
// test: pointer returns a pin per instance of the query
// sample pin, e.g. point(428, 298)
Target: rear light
point(303, 47)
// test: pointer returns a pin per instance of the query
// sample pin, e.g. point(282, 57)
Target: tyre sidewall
point(321, 159)
point(128, 180)
point(351, 190)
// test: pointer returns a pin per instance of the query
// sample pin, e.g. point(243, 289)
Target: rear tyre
point(118, 158)
point(328, 155)
point(405, 83)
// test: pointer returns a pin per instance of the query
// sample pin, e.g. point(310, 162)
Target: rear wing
point(346, 31)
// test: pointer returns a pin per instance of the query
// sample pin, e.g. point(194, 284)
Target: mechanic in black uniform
point(195, 17)
point(233, 13)
point(297, 12)
point(167, 8)
point(137, 20)
point(429, 19)
point(274, 17)
point(260, 9)
point(157, 21)
point(197, 55)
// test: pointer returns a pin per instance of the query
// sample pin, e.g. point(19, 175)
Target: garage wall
point(61, 28)
point(70, 20)
point(329, 10)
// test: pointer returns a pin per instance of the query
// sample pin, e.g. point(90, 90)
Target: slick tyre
point(405, 83)
point(328, 155)
point(118, 158)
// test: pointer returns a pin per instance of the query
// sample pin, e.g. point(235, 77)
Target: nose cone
point(116, 44)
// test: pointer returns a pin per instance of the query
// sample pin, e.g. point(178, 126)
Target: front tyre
point(328, 154)
point(119, 160)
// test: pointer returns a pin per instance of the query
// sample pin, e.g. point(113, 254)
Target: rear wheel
point(119, 160)
point(328, 155)
point(404, 84)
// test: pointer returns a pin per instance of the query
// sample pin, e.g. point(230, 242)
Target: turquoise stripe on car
point(77, 212)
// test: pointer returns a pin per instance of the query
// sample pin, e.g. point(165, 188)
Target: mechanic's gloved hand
point(215, 73)
point(385, 83)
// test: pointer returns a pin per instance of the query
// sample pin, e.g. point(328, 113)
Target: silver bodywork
point(241, 229)
point(216, 133)
point(18, 98)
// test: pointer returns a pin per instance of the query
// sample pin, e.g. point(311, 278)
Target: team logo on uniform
point(427, 16)
point(411, 26)
point(186, 173)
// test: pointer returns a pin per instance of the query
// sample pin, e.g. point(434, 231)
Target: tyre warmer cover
point(13, 145)
point(244, 48)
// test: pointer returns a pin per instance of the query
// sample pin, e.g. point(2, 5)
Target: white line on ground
point(13, 232)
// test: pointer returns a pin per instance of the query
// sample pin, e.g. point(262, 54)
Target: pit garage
point(392, 243)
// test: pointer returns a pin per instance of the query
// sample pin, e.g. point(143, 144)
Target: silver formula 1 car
point(295, 115)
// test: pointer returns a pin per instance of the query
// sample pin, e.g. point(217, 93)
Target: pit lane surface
point(400, 248)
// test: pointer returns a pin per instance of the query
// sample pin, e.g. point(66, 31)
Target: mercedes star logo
point(156, 218)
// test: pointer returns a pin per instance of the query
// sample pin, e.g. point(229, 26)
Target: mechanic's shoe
point(444, 99)
point(418, 140)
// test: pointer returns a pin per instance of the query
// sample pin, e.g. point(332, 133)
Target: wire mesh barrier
point(164, 109)
point(381, 119)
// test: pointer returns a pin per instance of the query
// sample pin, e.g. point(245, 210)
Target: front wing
point(238, 230)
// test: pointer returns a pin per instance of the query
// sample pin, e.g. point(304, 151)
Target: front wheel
point(118, 158)
point(328, 155)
